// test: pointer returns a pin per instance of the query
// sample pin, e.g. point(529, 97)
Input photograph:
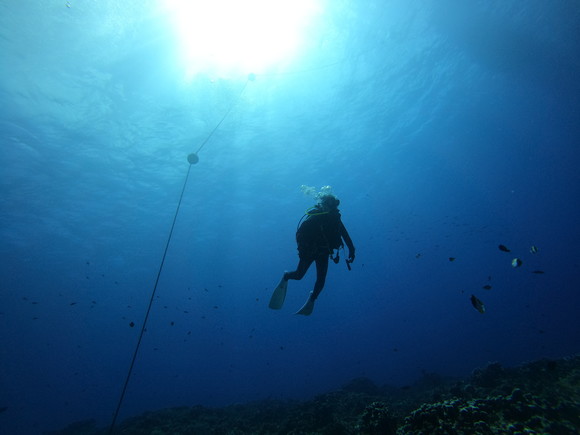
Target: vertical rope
point(223, 117)
point(112, 427)
point(143, 327)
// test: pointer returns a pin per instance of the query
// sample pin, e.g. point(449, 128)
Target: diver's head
point(329, 202)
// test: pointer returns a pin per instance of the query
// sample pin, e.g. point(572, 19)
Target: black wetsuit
point(317, 237)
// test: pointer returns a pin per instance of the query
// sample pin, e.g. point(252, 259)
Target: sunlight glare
point(221, 37)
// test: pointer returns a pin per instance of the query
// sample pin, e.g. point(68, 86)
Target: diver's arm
point(344, 234)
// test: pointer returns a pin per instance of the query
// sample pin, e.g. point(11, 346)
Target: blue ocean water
point(446, 128)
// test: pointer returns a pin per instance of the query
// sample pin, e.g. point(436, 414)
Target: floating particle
point(534, 249)
point(516, 262)
point(451, 258)
point(132, 324)
point(538, 272)
point(487, 287)
point(503, 248)
point(477, 304)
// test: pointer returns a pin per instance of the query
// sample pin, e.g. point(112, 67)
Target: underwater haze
point(446, 129)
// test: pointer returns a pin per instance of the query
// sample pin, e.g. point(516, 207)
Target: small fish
point(503, 248)
point(477, 304)
point(516, 262)
point(132, 324)
point(534, 249)
point(451, 258)
point(539, 272)
point(487, 287)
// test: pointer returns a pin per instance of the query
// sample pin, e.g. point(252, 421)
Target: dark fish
point(538, 271)
point(487, 287)
point(477, 304)
point(503, 248)
point(451, 258)
point(132, 324)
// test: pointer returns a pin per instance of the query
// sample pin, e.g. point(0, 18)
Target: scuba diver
point(320, 233)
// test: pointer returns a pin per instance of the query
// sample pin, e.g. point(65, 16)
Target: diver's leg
point(301, 270)
point(321, 270)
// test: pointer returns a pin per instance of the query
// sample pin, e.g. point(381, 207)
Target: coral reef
point(542, 397)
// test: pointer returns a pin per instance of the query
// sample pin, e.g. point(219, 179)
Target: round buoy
point(192, 159)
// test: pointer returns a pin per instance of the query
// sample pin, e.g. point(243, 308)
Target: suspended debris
point(477, 304)
point(503, 248)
